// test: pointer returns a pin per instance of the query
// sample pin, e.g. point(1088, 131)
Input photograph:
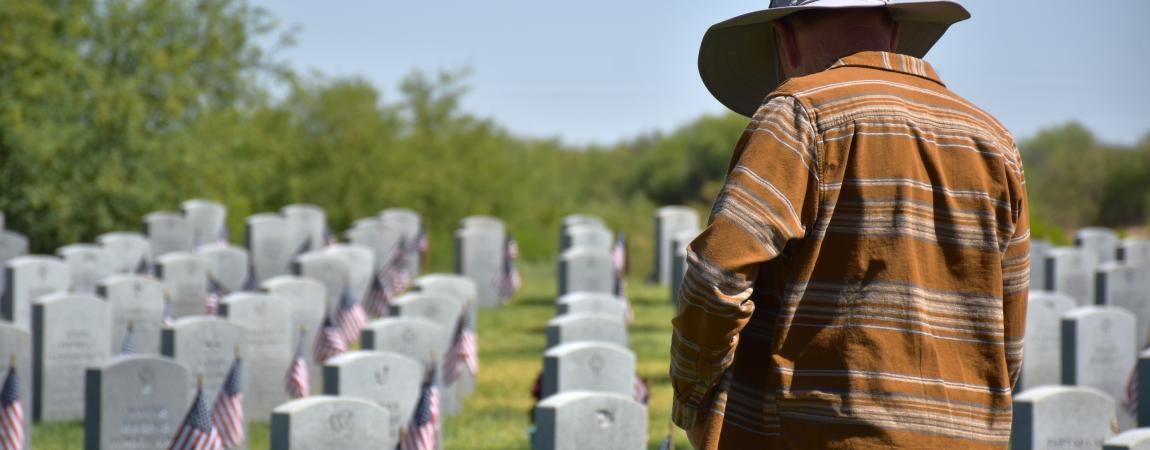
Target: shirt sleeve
point(770, 197)
point(1016, 278)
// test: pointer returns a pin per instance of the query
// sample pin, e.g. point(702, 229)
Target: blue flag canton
point(423, 410)
point(11, 392)
point(198, 417)
point(231, 385)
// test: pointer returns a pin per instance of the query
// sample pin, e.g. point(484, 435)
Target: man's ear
point(787, 46)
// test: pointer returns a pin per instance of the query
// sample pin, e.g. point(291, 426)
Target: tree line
point(111, 109)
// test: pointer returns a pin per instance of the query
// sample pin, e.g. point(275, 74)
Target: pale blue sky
point(599, 71)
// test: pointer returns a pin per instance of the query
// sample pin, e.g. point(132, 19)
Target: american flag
point(464, 350)
point(298, 380)
point(216, 293)
point(228, 411)
point(376, 300)
point(423, 431)
point(329, 238)
point(423, 243)
point(350, 316)
point(144, 267)
point(642, 394)
point(509, 280)
point(11, 412)
point(669, 441)
point(128, 345)
point(197, 432)
point(328, 342)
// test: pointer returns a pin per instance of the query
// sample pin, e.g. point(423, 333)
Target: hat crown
point(793, 3)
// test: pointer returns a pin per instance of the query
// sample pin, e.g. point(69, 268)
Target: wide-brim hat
point(739, 61)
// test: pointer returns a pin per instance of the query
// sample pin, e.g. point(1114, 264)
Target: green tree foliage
point(115, 108)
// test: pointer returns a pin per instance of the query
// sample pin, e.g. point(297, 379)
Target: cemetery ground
point(511, 344)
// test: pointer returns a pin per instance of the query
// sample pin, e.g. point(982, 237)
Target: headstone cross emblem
point(605, 417)
point(596, 364)
point(381, 375)
point(340, 421)
point(147, 378)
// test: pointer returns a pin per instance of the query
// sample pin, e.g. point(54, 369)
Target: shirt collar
point(893, 62)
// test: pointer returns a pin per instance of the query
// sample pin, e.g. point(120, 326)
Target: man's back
point(891, 214)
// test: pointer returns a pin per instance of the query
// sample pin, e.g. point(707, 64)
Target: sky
point(598, 71)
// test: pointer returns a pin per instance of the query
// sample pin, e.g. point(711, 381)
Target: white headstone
point(479, 255)
point(134, 402)
point(70, 334)
point(1071, 271)
point(1127, 287)
point(588, 366)
point(1061, 417)
point(88, 264)
point(586, 327)
point(11, 245)
point(1038, 249)
point(1102, 242)
point(167, 232)
point(1135, 251)
point(407, 224)
point(128, 250)
point(266, 321)
point(307, 298)
point(228, 265)
point(207, 345)
point(589, 420)
point(372, 233)
point(360, 262)
point(1136, 439)
point(668, 221)
point(207, 221)
point(138, 300)
point(679, 243)
point(310, 222)
point(584, 269)
point(330, 423)
point(1098, 351)
point(28, 278)
point(1042, 360)
point(328, 269)
point(272, 242)
point(185, 276)
point(592, 236)
point(390, 380)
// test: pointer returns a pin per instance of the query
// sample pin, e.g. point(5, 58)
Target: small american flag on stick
point(228, 411)
point(350, 316)
point(197, 432)
point(11, 411)
point(423, 431)
point(329, 341)
point(128, 345)
point(298, 379)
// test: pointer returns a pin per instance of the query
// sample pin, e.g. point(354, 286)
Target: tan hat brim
point(738, 59)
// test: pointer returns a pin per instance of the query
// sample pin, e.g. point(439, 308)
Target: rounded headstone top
point(1090, 310)
point(576, 252)
point(572, 347)
point(281, 280)
point(455, 283)
point(196, 203)
point(571, 220)
point(675, 209)
point(568, 318)
point(308, 402)
point(265, 217)
point(25, 260)
point(129, 360)
point(302, 209)
point(179, 257)
point(481, 222)
point(1138, 438)
point(1041, 393)
point(356, 356)
point(201, 320)
point(120, 278)
point(163, 215)
point(58, 297)
point(566, 398)
point(71, 249)
point(574, 296)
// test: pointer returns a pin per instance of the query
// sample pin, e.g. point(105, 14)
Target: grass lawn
point(511, 340)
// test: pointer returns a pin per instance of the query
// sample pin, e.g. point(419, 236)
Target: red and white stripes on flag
point(228, 411)
point(215, 295)
point(423, 431)
point(11, 413)
point(464, 351)
point(350, 317)
point(509, 280)
point(297, 381)
point(328, 342)
point(376, 301)
point(642, 393)
point(197, 432)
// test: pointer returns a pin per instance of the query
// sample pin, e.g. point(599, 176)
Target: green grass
point(511, 341)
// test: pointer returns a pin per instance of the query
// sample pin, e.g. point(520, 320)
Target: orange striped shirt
point(862, 281)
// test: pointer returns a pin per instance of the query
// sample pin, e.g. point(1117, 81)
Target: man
point(862, 281)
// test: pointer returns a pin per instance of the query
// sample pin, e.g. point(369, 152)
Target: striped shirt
point(862, 281)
